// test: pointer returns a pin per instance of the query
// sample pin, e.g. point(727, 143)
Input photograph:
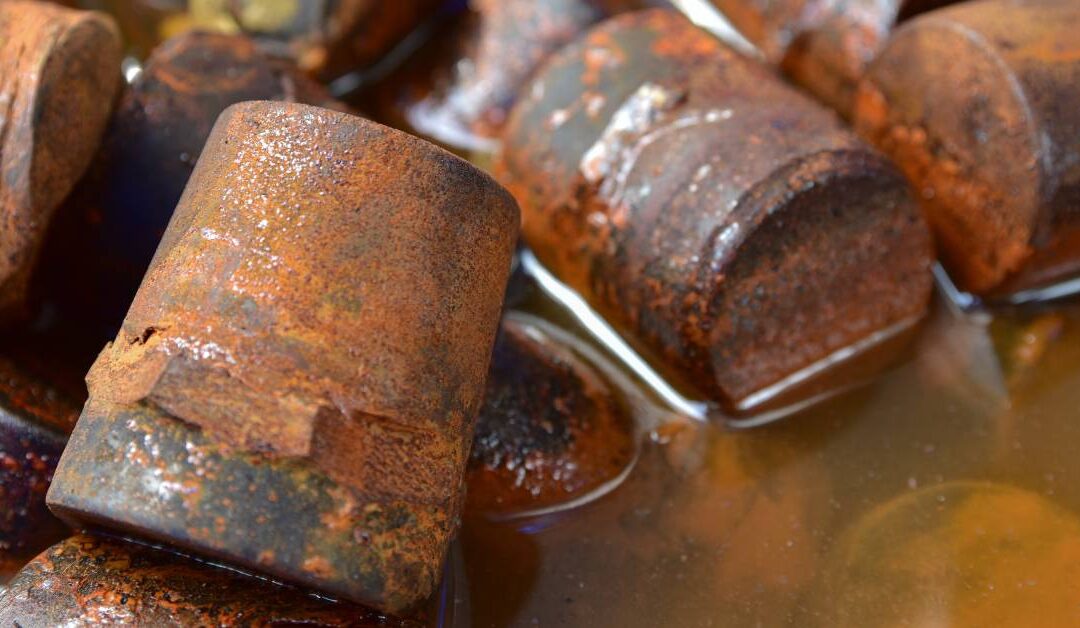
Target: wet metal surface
point(88, 580)
point(58, 75)
point(460, 88)
point(295, 386)
point(551, 429)
point(990, 139)
point(728, 223)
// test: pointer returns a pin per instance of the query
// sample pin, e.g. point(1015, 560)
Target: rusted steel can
point(295, 386)
point(88, 580)
point(35, 420)
point(106, 233)
point(822, 45)
point(990, 138)
point(730, 225)
point(459, 89)
point(551, 430)
point(59, 72)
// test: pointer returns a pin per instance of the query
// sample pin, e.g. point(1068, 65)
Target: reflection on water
point(825, 517)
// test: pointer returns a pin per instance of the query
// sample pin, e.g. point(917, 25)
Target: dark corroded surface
point(34, 423)
point(295, 387)
point(105, 235)
point(461, 87)
point(991, 139)
point(89, 580)
point(821, 44)
point(728, 223)
point(550, 429)
point(59, 70)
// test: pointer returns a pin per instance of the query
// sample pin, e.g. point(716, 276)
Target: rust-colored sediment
point(87, 580)
point(59, 72)
point(316, 323)
point(990, 139)
point(551, 429)
point(733, 227)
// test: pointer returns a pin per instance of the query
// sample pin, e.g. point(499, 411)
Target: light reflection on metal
point(611, 339)
point(705, 15)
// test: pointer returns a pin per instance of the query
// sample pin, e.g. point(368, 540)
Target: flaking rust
point(990, 138)
point(551, 429)
point(105, 234)
point(728, 224)
point(295, 386)
point(822, 45)
point(35, 420)
point(460, 88)
point(88, 580)
point(59, 73)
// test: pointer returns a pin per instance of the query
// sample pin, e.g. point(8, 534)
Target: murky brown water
point(942, 494)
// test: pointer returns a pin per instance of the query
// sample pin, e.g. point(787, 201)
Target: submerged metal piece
point(34, 422)
point(295, 386)
point(105, 235)
point(59, 72)
point(823, 45)
point(459, 90)
point(87, 580)
point(551, 431)
point(990, 138)
point(727, 223)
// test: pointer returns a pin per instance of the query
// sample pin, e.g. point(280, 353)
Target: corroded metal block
point(34, 423)
point(730, 225)
point(105, 235)
point(88, 580)
point(990, 138)
point(822, 45)
point(551, 430)
point(295, 386)
point(460, 88)
point(59, 72)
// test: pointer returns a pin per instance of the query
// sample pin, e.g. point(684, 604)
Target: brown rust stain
point(88, 579)
point(317, 320)
point(989, 139)
point(735, 228)
point(59, 74)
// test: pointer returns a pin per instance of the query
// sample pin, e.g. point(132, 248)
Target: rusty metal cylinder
point(105, 234)
point(977, 105)
point(295, 386)
point(551, 430)
point(59, 71)
point(729, 225)
point(88, 580)
point(823, 45)
point(460, 88)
